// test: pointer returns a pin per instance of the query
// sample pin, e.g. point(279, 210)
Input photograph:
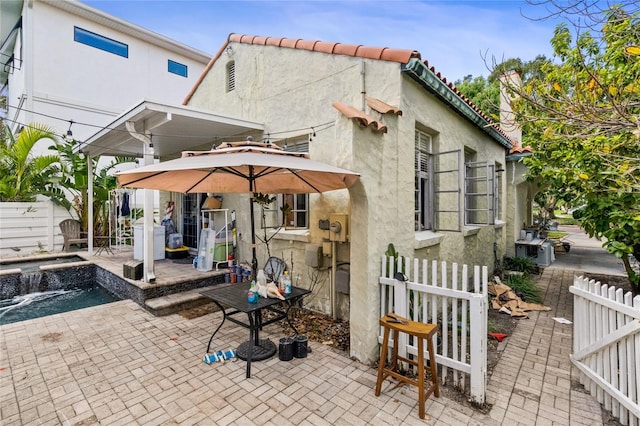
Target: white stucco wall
point(290, 89)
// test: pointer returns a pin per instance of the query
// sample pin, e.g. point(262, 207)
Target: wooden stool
point(421, 332)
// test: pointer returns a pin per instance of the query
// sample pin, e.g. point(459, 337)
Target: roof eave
point(426, 78)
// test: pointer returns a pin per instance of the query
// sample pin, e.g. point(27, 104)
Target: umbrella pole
point(254, 260)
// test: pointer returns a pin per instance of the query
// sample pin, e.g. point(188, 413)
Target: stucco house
point(438, 178)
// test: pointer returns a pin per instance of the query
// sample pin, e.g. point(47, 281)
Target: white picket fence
point(606, 346)
point(440, 294)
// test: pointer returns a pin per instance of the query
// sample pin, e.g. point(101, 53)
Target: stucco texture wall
point(289, 89)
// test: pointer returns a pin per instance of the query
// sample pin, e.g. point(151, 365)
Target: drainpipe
point(363, 90)
point(90, 206)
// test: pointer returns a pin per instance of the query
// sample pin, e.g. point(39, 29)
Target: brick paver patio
point(117, 364)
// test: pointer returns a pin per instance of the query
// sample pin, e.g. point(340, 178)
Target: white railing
point(606, 346)
point(441, 294)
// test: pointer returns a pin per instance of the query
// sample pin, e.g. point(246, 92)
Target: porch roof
point(173, 129)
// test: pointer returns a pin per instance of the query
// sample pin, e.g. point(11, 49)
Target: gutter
point(426, 78)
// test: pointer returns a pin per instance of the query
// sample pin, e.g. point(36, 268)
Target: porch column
point(149, 275)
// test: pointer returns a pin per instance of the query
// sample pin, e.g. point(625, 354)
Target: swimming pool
point(41, 304)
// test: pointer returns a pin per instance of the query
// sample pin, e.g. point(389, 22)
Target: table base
point(266, 349)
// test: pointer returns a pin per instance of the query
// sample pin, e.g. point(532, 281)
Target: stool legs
point(434, 367)
point(421, 390)
point(383, 360)
point(424, 389)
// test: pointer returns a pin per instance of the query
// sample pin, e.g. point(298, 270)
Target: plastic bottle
point(262, 278)
point(287, 283)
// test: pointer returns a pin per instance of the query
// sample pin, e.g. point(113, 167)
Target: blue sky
point(453, 36)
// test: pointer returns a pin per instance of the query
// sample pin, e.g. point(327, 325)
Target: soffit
point(173, 129)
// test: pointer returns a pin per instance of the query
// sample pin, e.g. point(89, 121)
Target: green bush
point(521, 264)
point(524, 287)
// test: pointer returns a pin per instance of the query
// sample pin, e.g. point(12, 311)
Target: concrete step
point(176, 302)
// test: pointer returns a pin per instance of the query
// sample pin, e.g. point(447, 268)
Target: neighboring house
point(75, 68)
point(432, 166)
point(64, 61)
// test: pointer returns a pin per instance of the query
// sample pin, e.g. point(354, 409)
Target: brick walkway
point(534, 382)
point(118, 365)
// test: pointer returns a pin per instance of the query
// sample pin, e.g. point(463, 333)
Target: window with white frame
point(290, 211)
point(423, 190)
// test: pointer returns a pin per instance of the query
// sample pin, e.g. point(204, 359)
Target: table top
point(235, 296)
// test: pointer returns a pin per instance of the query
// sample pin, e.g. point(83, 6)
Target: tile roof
point(382, 107)
point(402, 56)
point(519, 149)
point(360, 117)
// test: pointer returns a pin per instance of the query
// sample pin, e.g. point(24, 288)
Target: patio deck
point(177, 284)
point(117, 364)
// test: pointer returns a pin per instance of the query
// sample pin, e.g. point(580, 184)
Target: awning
point(173, 129)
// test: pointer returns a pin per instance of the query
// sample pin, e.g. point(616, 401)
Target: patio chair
point(72, 233)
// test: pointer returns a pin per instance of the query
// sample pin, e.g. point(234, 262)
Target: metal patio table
point(232, 299)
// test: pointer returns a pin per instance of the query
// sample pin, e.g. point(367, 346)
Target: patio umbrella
point(240, 167)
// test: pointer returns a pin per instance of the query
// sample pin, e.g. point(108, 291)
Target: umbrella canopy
point(240, 167)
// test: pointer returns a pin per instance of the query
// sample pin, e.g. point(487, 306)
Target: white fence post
point(428, 296)
point(606, 347)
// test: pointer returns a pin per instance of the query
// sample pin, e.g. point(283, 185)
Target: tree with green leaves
point(581, 115)
point(23, 175)
point(74, 178)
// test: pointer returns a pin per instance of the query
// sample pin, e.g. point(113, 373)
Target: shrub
point(524, 287)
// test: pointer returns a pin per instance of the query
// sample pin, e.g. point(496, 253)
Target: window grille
point(480, 193)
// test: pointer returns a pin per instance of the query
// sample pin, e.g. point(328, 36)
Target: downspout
point(149, 275)
point(90, 201)
point(363, 89)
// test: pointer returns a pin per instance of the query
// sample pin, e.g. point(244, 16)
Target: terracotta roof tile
point(382, 107)
point(360, 117)
point(379, 53)
point(519, 149)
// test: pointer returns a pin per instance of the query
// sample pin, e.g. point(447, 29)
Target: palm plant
point(75, 180)
point(24, 176)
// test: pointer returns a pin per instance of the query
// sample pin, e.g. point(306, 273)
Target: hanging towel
point(125, 204)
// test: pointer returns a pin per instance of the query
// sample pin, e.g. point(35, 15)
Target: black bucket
point(300, 346)
point(285, 349)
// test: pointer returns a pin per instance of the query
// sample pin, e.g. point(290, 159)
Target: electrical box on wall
point(338, 227)
point(326, 249)
point(313, 255)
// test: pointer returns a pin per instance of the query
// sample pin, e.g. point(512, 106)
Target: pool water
point(36, 305)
